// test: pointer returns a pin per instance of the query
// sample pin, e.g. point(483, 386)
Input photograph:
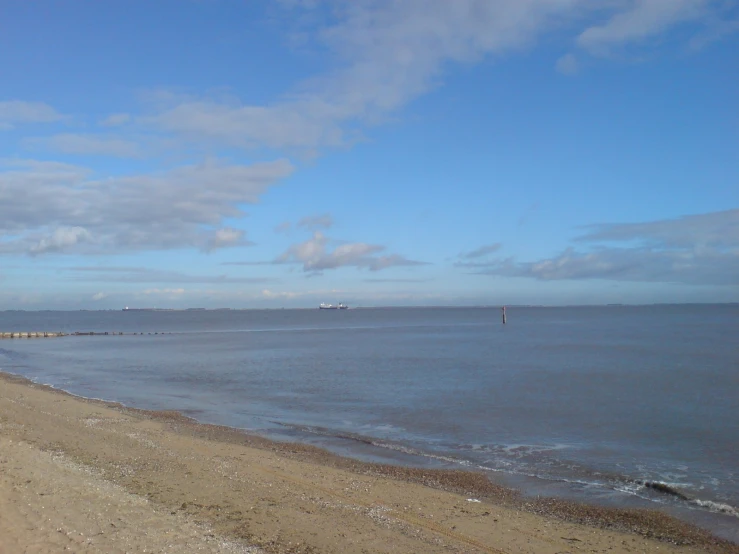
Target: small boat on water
point(339, 306)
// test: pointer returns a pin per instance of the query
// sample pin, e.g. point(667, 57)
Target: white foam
point(717, 507)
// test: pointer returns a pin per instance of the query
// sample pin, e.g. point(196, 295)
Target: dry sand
point(79, 475)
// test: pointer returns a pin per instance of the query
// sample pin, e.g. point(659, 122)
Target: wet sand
point(89, 476)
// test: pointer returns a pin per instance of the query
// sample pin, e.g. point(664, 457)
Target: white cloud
point(383, 262)
point(99, 296)
point(300, 124)
point(116, 119)
point(631, 264)
point(180, 208)
point(714, 229)
point(227, 236)
point(385, 55)
point(640, 20)
point(115, 274)
point(567, 65)
point(312, 223)
point(166, 292)
point(314, 255)
point(717, 30)
point(388, 53)
point(266, 293)
point(315, 222)
point(397, 280)
point(14, 112)
point(89, 144)
point(698, 250)
point(62, 238)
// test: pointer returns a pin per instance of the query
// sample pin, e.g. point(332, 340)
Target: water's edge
point(405, 463)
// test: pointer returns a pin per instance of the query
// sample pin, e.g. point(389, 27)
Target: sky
point(269, 154)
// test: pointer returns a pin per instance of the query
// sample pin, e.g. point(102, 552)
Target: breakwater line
point(30, 334)
point(56, 334)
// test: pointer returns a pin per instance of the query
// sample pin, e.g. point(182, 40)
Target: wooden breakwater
point(92, 334)
point(30, 335)
point(46, 334)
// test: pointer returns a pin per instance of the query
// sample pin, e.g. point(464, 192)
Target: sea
point(584, 403)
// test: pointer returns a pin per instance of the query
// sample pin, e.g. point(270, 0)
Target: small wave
point(669, 489)
point(415, 452)
point(516, 450)
point(663, 488)
point(617, 483)
point(717, 507)
point(525, 449)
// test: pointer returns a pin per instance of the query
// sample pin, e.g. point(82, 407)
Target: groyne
point(47, 334)
point(30, 335)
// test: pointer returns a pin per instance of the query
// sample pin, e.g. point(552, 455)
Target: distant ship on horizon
point(339, 306)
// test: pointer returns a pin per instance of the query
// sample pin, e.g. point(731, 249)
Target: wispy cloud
point(697, 249)
point(60, 239)
point(715, 229)
point(316, 222)
point(283, 227)
point(227, 237)
point(171, 293)
point(382, 55)
point(385, 54)
point(15, 112)
point(263, 262)
point(567, 65)
point(114, 120)
point(112, 274)
point(481, 251)
point(315, 256)
point(87, 144)
point(41, 202)
point(310, 223)
point(288, 125)
point(389, 53)
point(108, 269)
point(396, 280)
point(637, 21)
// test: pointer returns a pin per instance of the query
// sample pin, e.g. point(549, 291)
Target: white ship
point(339, 306)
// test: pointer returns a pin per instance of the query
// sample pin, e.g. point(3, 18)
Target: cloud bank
point(389, 53)
point(697, 250)
point(53, 207)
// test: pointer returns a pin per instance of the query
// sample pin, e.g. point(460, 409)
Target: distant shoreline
point(360, 307)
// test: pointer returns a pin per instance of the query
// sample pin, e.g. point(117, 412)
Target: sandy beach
point(81, 475)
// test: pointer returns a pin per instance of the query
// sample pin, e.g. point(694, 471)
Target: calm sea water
point(576, 402)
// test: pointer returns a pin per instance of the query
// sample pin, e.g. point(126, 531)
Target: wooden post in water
point(503, 311)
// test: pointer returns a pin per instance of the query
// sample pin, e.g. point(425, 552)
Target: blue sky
point(224, 153)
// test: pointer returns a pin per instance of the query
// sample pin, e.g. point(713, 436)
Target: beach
point(84, 475)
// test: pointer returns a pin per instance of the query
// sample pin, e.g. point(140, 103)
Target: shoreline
point(418, 460)
point(315, 472)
